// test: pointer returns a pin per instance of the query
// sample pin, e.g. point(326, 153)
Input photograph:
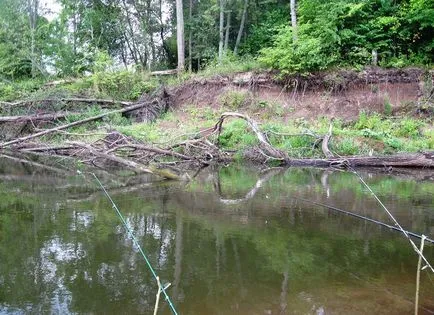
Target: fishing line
point(362, 217)
point(130, 232)
point(393, 219)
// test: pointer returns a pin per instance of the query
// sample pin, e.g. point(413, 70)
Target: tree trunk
point(241, 30)
point(228, 28)
point(180, 35)
point(190, 37)
point(33, 19)
point(221, 29)
point(150, 33)
point(160, 15)
point(293, 20)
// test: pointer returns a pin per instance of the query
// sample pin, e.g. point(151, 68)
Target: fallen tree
point(201, 149)
point(423, 160)
point(36, 117)
point(76, 123)
point(66, 100)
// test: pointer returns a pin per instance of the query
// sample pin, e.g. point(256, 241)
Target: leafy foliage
point(347, 33)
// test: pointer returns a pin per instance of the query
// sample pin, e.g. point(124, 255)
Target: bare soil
point(341, 94)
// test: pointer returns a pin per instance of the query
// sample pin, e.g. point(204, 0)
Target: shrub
point(125, 85)
point(408, 128)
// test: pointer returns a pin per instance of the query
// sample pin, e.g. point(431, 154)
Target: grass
point(370, 134)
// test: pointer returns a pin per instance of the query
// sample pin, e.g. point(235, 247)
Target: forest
point(61, 38)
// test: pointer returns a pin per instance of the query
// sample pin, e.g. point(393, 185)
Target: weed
point(346, 146)
point(387, 106)
point(124, 85)
point(408, 128)
point(234, 135)
point(368, 121)
point(235, 99)
point(231, 64)
point(143, 131)
point(394, 143)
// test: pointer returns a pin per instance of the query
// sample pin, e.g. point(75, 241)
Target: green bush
point(408, 128)
point(314, 50)
point(367, 121)
point(124, 85)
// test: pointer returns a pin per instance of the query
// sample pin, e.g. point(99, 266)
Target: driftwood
point(266, 148)
point(38, 117)
point(153, 149)
point(67, 100)
point(164, 72)
point(424, 160)
point(76, 123)
point(325, 144)
point(128, 163)
point(33, 163)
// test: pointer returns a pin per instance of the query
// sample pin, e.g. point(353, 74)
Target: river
point(235, 240)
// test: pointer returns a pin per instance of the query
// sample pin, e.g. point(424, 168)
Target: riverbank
point(331, 118)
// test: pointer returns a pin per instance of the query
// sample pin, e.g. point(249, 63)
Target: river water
point(233, 241)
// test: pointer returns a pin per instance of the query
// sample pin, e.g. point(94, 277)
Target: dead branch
point(264, 145)
point(37, 117)
point(325, 144)
point(33, 163)
point(153, 149)
point(68, 100)
point(76, 123)
point(164, 72)
point(128, 163)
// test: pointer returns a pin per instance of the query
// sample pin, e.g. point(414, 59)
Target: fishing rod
point(394, 228)
point(130, 232)
point(419, 252)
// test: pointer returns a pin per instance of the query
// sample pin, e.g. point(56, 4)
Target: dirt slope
point(340, 94)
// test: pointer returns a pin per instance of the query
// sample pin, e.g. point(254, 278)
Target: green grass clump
point(231, 64)
point(235, 135)
point(148, 132)
point(234, 100)
point(123, 85)
point(11, 91)
point(408, 127)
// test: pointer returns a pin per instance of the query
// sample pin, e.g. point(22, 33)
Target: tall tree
point(221, 30)
point(293, 20)
point(241, 29)
point(180, 35)
point(33, 6)
point(228, 29)
point(190, 36)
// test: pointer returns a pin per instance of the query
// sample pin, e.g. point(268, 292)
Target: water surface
point(234, 241)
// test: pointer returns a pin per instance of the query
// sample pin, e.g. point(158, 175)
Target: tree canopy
point(143, 34)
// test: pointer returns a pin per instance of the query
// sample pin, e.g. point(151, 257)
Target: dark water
point(233, 241)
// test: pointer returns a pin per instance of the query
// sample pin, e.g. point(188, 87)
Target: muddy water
point(233, 241)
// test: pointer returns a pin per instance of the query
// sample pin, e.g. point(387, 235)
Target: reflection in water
point(234, 241)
